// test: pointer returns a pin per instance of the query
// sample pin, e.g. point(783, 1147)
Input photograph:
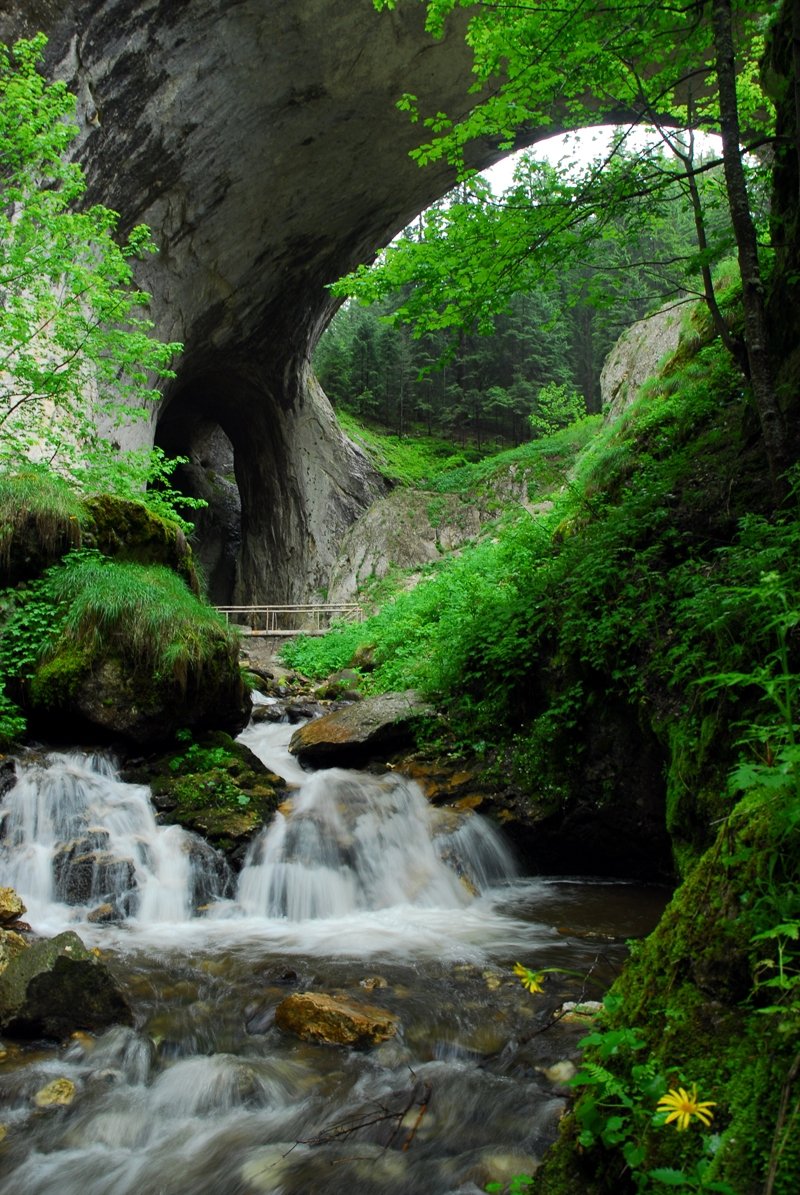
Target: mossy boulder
point(124, 651)
point(693, 994)
point(56, 986)
point(127, 530)
point(41, 519)
point(215, 787)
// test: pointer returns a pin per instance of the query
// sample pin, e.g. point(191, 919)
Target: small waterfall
point(75, 835)
point(355, 843)
point(78, 843)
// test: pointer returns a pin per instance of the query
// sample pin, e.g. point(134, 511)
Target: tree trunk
point(773, 427)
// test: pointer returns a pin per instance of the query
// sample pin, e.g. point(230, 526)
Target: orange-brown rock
point(442, 783)
point(334, 1020)
point(11, 907)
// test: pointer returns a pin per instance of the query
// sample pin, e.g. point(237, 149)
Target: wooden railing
point(314, 618)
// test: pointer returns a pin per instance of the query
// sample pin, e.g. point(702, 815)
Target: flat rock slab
point(334, 1020)
point(365, 730)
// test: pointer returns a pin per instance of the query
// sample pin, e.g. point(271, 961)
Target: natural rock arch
point(261, 142)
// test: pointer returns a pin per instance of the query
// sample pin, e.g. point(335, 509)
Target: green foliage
point(410, 460)
point(12, 722)
point(88, 607)
point(556, 407)
point(76, 350)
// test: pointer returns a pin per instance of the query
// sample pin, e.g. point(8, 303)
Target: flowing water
point(359, 889)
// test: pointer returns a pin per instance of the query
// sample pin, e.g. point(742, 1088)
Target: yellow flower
point(531, 980)
point(682, 1105)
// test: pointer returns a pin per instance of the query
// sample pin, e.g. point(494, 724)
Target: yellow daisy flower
point(682, 1105)
point(531, 980)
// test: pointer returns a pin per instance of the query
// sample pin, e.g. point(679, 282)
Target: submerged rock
point(334, 1020)
point(369, 729)
point(56, 986)
point(58, 1094)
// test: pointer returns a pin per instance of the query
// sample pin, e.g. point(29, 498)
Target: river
point(360, 889)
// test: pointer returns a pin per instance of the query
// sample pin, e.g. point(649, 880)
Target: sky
point(583, 145)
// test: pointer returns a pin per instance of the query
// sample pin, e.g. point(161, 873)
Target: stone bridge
point(260, 141)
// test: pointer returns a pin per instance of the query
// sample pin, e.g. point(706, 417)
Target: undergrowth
point(89, 607)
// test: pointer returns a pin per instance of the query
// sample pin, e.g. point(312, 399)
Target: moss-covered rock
point(215, 787)
point(127, 530)
point(57, 986)
point(41, 519)
point(692, 993)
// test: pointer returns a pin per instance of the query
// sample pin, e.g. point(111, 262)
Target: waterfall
point(78, 842)
point(358, 888)
point(356, 843)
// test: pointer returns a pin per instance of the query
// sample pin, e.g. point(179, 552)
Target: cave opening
point(188, 429)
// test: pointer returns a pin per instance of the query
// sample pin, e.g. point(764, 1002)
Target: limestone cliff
point(261, 143)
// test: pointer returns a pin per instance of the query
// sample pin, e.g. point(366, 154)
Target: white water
point(361, 889)
point(366, 852)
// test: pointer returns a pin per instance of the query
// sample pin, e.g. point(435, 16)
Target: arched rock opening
point(281, 484)
point(262, 143)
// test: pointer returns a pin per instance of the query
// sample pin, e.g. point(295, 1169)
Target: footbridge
point(311, 618)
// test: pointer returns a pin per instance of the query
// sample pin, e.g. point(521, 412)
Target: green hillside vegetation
point(662, 582)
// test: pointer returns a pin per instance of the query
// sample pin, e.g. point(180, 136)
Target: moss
point(688, 991)
point(56, 681)
point(214, 786)
point(128, 530)
point(41, 519)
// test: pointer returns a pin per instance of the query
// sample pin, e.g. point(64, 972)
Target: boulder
point(366, 730)
point(334, 1020)
point(11, 944)
point(11, 907)
point(57, 986)
point(635, 358)
point(83, 872)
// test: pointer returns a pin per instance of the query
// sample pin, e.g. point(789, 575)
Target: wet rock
point(334, 1020)
point(445, 781)
point(104, 914)
point(273, 711)
point(56, 986)
point(82, 874)
point(58, 1094)
point(11, 944)
point(300, 710)
point(371, 983)
point(368, 730)
point(11, 907)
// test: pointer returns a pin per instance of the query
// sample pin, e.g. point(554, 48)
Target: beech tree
point(548, 67)
point(76, 347)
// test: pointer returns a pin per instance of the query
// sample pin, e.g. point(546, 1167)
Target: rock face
point(634, 359)
point(334, 1020)
point(262, 144)
point(56, 986)
point(366, 729)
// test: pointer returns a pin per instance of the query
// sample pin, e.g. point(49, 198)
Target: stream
point(359, 889)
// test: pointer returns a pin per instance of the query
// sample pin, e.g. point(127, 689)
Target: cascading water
point(75, 839)
point(360, 889)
